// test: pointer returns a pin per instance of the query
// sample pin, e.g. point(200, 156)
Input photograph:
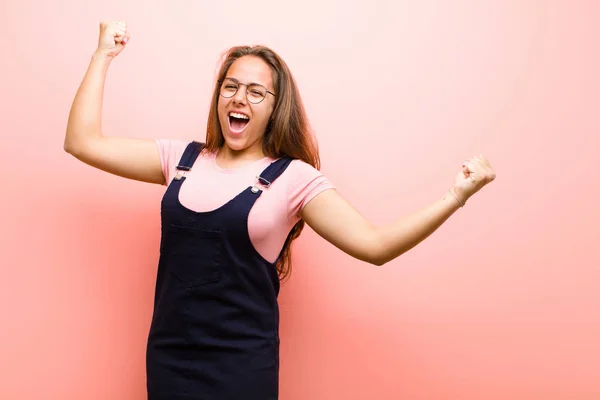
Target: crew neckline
point(241, 168)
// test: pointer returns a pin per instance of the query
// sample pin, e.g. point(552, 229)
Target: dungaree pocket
point(194, 255)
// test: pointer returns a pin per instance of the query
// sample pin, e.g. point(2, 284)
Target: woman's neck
point(228, 158)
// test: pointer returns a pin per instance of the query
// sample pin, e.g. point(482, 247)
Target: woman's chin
point(235, 142)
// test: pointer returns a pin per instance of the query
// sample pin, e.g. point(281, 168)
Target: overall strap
point(273, 171)
point(188, 158)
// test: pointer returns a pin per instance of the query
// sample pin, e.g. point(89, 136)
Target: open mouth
point(238, 121)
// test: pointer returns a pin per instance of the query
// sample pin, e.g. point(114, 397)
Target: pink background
point(503, 302)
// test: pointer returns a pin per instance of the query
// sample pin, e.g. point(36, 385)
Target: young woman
point(230, 212)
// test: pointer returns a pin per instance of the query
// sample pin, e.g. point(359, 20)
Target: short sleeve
point(170, 152)
point(306, 182)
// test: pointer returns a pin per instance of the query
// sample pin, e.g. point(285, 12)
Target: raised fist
point(475, 174)
point(113, 37)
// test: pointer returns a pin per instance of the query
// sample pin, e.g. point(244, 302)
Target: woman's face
point(243, 123)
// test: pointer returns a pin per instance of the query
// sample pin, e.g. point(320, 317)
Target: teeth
point(237, 115)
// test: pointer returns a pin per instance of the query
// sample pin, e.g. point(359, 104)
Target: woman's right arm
point(127, 157)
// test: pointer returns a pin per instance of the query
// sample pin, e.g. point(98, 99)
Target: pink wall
point(503, 302)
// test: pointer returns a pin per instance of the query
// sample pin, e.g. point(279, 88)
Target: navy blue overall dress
point(215, 328)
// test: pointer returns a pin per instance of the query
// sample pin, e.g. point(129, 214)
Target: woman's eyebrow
point(251, 83)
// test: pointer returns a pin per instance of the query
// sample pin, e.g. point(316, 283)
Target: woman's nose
point(240, 95)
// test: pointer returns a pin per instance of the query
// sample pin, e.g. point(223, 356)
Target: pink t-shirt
point(208, 186)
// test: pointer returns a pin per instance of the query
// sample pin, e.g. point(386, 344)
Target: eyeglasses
point(255, 93)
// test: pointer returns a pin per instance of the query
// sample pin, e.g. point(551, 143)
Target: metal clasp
point(180, 174)
point(263, 181)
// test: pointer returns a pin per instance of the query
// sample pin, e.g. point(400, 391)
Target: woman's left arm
point(336, 220)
